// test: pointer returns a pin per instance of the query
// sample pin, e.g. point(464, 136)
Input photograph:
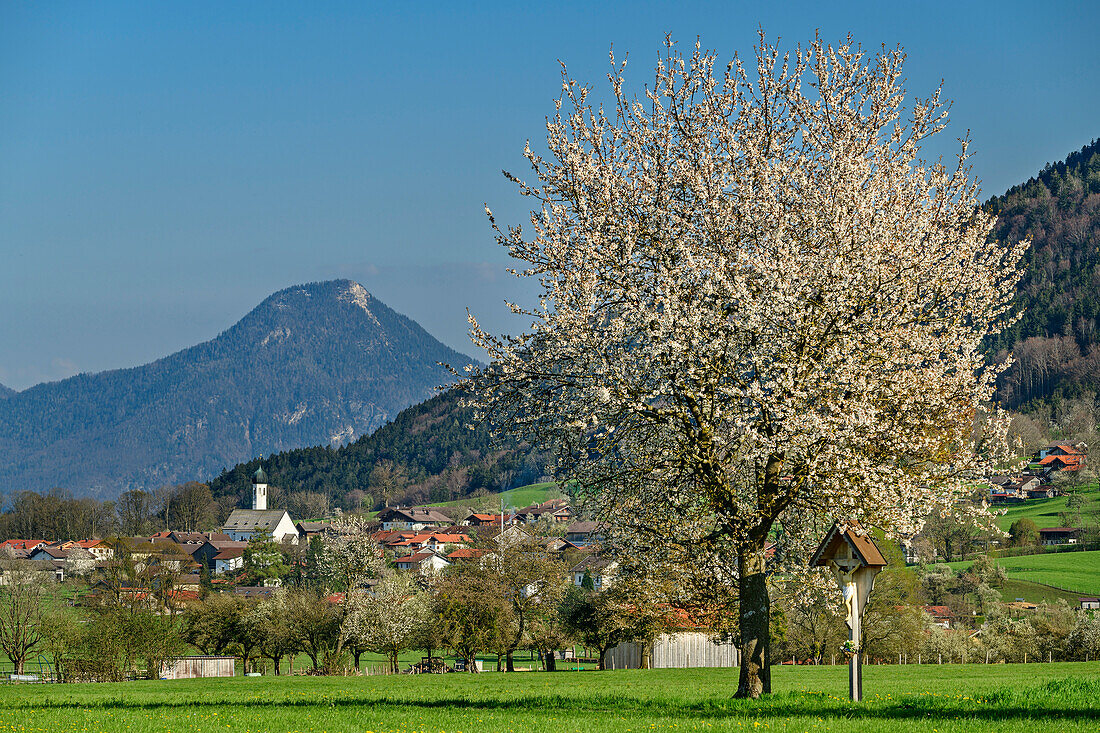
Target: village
point(260, 550)
point(419, 539)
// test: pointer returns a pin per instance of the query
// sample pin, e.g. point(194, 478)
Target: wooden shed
point(186, 668)
point(679, 650)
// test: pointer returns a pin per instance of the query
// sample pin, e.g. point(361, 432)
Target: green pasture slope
point(516, 498)
point(1035, 593)
point(910, 698)
point(1044, 512)
point(1074, 572)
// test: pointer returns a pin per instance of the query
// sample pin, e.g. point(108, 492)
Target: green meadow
point(899, 698)
point(1077, 573)
point(1045, 512)
point(516, 498)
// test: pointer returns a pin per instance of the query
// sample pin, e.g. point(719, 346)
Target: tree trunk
point(510, 664)
point(358, 653)
point(277, 661)
point(517, 640)
point(601, 662)
point(19, 664)
point(394, 666)
point(645, 655)
point(755, 611)
point(550, 660)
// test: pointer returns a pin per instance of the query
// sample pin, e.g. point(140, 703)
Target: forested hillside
point(428, 453)
point(6, 391)
point(1055, 342)
point(317, 364)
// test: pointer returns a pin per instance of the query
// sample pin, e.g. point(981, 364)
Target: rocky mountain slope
point(316, 364)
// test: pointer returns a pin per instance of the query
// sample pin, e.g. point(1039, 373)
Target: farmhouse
point(558, 510)
point(1060, 449)
point(21, 545)
point(426, 562)
point(584, 533)
point(1059, 536)
point(412, 518)
point(229, 559)
point(467, 554)
point(560, 544)
point(488, 520)
point(941, 615)
point(434, 541)
point(309, 530)
point(205, 553)
point(600, 569)
point(1054, 463)
point(253, 591)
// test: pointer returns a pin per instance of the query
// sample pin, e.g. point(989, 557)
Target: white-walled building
point(244, 524)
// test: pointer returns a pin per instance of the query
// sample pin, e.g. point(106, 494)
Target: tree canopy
point(761, 309)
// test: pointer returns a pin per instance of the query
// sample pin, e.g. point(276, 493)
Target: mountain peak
point(319, 363)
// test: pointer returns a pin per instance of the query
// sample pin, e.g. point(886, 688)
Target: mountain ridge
point(319, 363)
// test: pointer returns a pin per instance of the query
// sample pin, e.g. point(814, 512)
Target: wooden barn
point(679, 650)
point(186, 668)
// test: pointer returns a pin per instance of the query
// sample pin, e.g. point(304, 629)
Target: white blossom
point(761, 310)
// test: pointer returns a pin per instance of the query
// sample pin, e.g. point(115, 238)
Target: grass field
point(1035, 593)
point(910, 698)
point(516, 498)
point(1044, 512)
point(1078, 572)
point(1074, 572)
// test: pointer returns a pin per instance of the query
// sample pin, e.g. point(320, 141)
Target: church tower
point(259, 490)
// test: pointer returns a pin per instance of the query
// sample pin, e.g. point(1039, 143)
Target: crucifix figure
point(850, 552)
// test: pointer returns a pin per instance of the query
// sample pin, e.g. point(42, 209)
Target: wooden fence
point(680, 650)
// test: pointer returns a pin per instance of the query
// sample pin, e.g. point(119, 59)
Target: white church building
point(244, 524)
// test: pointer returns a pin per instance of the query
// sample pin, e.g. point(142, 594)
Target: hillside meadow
point(1045, 512)
point(1075, 572)
point(908, 698)
point(516, 498)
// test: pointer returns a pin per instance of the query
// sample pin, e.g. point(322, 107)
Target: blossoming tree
point(760, 309)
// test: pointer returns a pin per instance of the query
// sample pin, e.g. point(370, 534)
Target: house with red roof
point(425, 562)
point(23, 545)
point(404, 543)
point(467, 554)
point(1060, 449)
point(100, 549)
point(488, 520)
point(941, 615)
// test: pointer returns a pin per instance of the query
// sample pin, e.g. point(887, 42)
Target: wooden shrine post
point(850, 552)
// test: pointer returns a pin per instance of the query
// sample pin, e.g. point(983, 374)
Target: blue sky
point(163, 168)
